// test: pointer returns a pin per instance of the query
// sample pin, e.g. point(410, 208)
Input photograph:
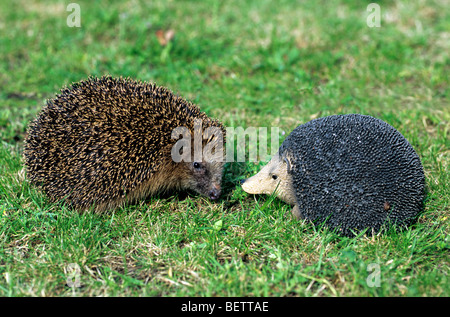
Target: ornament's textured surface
point(354, 172)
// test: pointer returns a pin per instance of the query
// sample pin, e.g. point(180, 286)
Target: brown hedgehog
point(107, 141)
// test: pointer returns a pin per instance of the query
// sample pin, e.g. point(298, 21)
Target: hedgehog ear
point(287, 163)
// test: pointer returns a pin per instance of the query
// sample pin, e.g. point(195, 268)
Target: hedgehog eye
point(196, 165)
point(274, 176)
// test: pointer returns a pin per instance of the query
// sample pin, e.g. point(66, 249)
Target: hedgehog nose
point(242, 181)
point(214, 194)
point(214, 191)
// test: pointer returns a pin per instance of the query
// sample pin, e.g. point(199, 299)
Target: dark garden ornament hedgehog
point(350, 172)
point(107, 141)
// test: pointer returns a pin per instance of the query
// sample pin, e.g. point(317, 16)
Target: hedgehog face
point(203, 177)
point(273, 177)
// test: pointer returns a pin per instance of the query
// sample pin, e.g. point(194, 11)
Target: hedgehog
point(104, 142)
point(351, 173)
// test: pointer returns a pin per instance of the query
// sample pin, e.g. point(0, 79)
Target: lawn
point(247, 63)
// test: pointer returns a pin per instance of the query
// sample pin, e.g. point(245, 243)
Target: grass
point(252, 63)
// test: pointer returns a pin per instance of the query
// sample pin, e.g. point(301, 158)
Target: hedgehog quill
point(108, 141)
point(351, 172)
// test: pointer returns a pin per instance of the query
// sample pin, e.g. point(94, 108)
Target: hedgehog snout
point(214, 193)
